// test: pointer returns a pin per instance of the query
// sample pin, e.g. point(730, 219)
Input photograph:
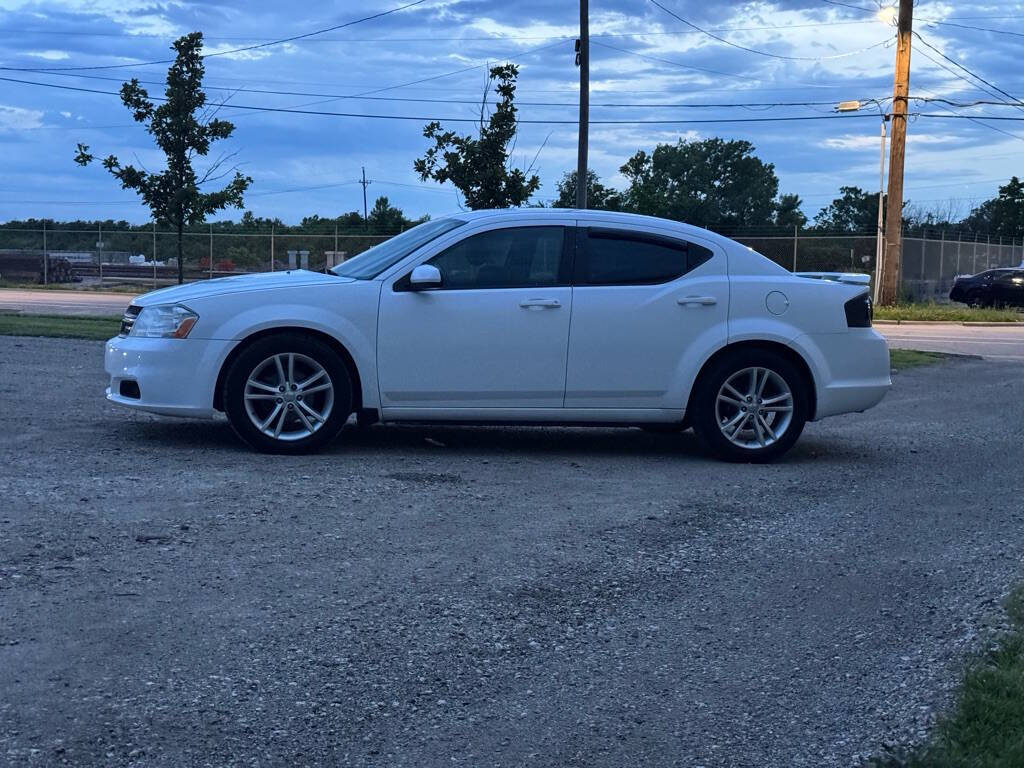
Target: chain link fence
point(928, 265)
point(108, 256)
point(148, 256)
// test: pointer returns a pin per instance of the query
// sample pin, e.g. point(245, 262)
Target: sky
point(649, 72)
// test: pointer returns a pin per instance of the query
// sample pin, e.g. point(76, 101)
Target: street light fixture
point(888, 15)
point(854, 106)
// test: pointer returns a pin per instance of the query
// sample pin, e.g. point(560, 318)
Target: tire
point(312, 401)
point(976, 300)
point(781, 386)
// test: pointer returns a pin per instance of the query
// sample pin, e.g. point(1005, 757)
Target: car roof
point(584, 215)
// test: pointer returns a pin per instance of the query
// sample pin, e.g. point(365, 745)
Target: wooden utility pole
point(897, 153)
point(583, 62)
point(365, 183)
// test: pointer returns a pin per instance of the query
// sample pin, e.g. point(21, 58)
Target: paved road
point(491, 597)
point(989, 342)
point(57, 302)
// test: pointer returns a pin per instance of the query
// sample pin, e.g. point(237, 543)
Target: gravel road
point(491, 597)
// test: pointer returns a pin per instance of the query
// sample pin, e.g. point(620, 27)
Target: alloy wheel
point(754, 407)
point(289, 396)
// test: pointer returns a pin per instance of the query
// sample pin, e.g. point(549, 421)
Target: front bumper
point(175, 377)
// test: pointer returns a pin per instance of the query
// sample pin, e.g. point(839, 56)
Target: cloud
point(16, 119)
point(49, 55)
point(853, 141)
point(65, 114)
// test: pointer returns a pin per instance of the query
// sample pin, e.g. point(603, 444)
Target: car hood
point(262, 281)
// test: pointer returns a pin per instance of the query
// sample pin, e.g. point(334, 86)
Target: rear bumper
point(851, 369)
point(175, 377)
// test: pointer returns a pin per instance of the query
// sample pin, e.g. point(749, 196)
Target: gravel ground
point(491, 597)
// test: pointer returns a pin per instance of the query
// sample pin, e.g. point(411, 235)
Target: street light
point(888, 15)
point(854, 106)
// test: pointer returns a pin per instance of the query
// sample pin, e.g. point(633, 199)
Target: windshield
point(368, 264)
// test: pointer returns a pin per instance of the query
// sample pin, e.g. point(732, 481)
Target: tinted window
point(518, 257)
point(626, 258)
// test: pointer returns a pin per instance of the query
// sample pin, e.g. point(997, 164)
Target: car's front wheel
point(750, 405)
point(287, 393)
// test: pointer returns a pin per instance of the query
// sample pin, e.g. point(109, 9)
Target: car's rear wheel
point(288, 393)
point(977, 300)
point(750, 405)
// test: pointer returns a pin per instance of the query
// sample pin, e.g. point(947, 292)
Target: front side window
point(631, 258)
point(517, 257)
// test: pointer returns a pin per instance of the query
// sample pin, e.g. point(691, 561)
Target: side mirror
point(424, 277)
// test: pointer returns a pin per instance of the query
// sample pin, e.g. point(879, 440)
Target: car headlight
point(170, 321)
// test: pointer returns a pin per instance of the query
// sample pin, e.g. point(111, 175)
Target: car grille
point(128, 319)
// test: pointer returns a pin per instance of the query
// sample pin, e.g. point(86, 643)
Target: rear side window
point(517, 257)
point(613, 257)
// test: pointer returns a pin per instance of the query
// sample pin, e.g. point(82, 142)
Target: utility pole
point(583, 62)
point(365, 183)
point(897, 153)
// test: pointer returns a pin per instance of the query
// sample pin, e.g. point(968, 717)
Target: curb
point(969, 323)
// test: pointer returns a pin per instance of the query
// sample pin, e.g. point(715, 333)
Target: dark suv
point(993, 288)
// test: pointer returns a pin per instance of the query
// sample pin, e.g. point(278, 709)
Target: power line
point(475, 102)
point(978, 29)
point(236, 50)
point(713, 36)
point(417, 118)
point(965, 69)
point(488, 38)
point(849, 5)
point(660, 60)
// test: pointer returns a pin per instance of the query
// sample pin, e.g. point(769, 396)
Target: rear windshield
point(368, 264)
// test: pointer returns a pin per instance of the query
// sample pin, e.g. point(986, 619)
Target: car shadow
point(425, 440)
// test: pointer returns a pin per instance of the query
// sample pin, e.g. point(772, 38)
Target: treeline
point(724, 186)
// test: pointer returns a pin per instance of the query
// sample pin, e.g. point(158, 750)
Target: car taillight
point(859, 311)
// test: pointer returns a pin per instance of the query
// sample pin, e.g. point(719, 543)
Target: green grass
point(953, 313)
point(133, 288)
point(986, 726)
point(59, 326)
point(901, 359)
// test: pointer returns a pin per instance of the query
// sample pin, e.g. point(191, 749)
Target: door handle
point(705, 301)
point(540, 304)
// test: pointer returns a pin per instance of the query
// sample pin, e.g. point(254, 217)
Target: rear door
point(640, 299)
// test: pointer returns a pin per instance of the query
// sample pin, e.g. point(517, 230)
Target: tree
point(854, 211)
point(385, 218)
point(710, 182)
point(599, 196)
point(478, 167)
point(1002, 215)
point(788, 213)
point(182, 129)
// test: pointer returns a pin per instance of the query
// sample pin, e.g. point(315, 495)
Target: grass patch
point(901, 359)
point(986, 727)
point(59, 326)
point(133, 288)
point(952, 313)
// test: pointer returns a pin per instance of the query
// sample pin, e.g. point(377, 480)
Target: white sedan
point(513, 316)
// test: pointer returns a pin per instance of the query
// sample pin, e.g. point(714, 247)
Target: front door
point(640, 301)
point(494, 335)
